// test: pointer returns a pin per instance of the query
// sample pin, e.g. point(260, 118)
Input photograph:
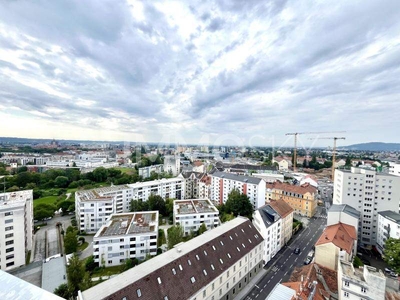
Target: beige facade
point(328, 255)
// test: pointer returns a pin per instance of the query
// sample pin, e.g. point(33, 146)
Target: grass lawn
point(47, 200)
point(107, 271)
point(125, 170)
point(83, 246)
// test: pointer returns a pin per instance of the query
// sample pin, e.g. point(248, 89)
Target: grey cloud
point(216, 24)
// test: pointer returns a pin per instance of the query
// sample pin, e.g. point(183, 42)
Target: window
point(205, 252)
point(212, 267)
point(8, 213)
point(192, 279)
point(204, 293)
point(221, 261)
point(346, 294)
point(139, 293)
point(212, 286)
point(197, 257)
point(189, 262)
point(9, 249)
point(221, 243)
point(9, 228)
point(363, 289)
point(173, 271)
point(9, 242)
point(204, 272)
point(159, 280)
point(228, 255)
point(346, 283)
point(180, 267)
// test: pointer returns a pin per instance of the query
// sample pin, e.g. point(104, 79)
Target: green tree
point(75, 274)
point(100, 174)
point(202, 229)
point(61, 181)
point(139, 205)
point(22, 169)
point(43, 211)
point(90, 264)
point(66, 205)
point(63, 291)
point(70, 241)
point(238, 204)
point(156, 202)
point(175, 236)
point(128, 264)
point(392, 253)
point(348, 162)
point(357, 262)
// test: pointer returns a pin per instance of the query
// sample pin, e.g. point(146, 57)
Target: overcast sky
point(218, 72)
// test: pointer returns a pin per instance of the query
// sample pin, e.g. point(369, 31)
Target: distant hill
point(374, 146)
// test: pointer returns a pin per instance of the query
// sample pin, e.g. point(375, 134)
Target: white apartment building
point(354, 284)
point(216, 265)
point(126, 235)
point(369, 192)
point(93, 207)
point(223, 183)
point(190, 214)
point(145, 172)
point(388, 227)
point(192, 184)
point(16, 219)
point(343, 213)
point(269, 223)
point(172, 164)
point(394, 169)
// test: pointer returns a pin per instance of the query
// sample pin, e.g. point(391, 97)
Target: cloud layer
point(190, 71)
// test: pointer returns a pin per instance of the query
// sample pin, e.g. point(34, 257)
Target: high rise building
point(16, 229)
point(369, 192)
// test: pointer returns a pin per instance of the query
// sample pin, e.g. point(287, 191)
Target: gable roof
point(281, 207)
point(297, 189)
point(169, 274)
point(341, 235)
point(242, 178)
point(268, 215)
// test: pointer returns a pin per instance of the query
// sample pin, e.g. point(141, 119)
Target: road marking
point(256, 286)
point(269, 281)
point(265, 285)
point(257, 295)
point(261, 290)
point(285, 273)
point(272, 276)
point(291, 266)
point(296, 259)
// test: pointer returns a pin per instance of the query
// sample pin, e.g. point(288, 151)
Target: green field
point(128, 171)
point(47, 200)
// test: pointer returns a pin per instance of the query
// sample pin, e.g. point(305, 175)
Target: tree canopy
point(175, 236)
point(238, 204)
point(392, 253)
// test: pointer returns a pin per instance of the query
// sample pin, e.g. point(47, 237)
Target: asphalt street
point(283, 264)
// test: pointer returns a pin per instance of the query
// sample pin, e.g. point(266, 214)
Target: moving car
point(307, 261)
point(296, 250)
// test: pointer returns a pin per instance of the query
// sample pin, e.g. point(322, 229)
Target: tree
point(156, 202)
point(100, 174)
point(43, 211)
point(357, 262)
point(66, 205)
point(75, 274)
point(128, 264)
point(202, 229)
point(90, 264)
point(61, 181)
point(139, 205)
point(70, 241)
point(63, 291)
point(238, 204)
point(175, 236)
point(392, 253)
point(348, 162)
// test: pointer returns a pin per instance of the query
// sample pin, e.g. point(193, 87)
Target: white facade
point(190, 214)
point(394, 168)
point(172, 164)
point(16, 219)
point(388, 227)
point(145, 172)
point(93, 207)
point(269, 177)
point(356, 284)
point(223, 183)
point(127, 235)
point(368, 192)
point(343, 214)
point(269, 224)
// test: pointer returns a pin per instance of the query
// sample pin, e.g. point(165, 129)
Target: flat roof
point(390, 215)
point(54, 273)
point(129, 223)
point(345, 208)
point(15, 199)
point(242, 178)
point(98, 193)
point(154, 182)
point(194, 206)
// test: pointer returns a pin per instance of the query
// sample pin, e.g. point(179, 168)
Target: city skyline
point(212, 73)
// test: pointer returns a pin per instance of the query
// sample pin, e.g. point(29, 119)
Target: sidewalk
point(251, 284)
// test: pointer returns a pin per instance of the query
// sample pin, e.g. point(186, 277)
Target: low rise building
point(190, 214)
point(337, 242)
point(223, 183)
point(146, 172)
point(366, 283)
point(126, 236)
point(269, 223)
point(286, 213)
point(216, 265)
point(16, 230)
point(302, 198)
point(388, 227)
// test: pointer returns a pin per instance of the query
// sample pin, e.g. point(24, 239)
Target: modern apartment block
point(216, 265)
point(172, 164)
point(269, 223)
point(394, 169)
point(16, 219)
point(190, 214)
point(126, 235)
point(388, 227)
point(302, 198)
point(93, 207)
point(365, 283)
point(223, 183)
point(369, 192)
point(192, 184)
point(145, 172)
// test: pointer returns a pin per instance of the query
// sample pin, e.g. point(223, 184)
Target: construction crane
point(335, 138)
point(295, 143)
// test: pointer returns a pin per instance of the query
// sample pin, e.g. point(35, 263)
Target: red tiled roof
point(341, 235)
point(297, 189)
point(281, 207)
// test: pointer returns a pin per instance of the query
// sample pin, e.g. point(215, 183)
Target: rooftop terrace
point(194, 206)
point(100, 193)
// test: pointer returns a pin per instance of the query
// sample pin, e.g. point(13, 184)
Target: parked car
point(307, 261)
point(296, 250)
